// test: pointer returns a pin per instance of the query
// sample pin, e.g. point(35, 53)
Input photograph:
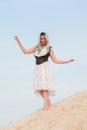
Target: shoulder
point(32, 49)
point(37, 46)
point(50, 48)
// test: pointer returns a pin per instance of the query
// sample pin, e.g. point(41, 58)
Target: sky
point(65, 22)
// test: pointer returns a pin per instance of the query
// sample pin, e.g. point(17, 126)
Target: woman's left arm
point(56, 60)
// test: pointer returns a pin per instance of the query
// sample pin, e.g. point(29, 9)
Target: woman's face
point(42, 40)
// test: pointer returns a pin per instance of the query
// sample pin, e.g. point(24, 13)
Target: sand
point(68, 114)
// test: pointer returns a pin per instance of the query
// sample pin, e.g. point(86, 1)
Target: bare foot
point(45, 107)
point(50, 104)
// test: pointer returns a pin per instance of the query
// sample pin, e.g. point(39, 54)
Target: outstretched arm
point(58, 61)
point(25, 51)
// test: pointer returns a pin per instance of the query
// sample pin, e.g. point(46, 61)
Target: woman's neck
point(43, 46)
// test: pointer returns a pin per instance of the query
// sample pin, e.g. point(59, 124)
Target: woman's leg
point(44, 93)
point(40, 91)
point(49, 103)
point(46, 99)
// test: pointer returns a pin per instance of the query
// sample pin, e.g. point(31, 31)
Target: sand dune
point(68, 114)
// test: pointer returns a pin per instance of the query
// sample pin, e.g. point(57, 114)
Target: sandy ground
point(68, 114)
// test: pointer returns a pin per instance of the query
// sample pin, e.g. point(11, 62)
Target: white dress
point(43, 78)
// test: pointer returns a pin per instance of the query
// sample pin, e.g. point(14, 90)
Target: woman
point(43, 81)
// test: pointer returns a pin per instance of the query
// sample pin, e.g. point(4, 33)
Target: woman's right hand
point(16, 38)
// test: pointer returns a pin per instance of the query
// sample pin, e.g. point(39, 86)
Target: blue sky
point(65, 22)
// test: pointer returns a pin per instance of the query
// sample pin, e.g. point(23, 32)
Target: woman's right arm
point(25, 51)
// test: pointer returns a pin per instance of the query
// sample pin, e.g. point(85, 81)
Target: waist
point(40, 60)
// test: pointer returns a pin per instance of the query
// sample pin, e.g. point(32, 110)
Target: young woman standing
point(43, 80)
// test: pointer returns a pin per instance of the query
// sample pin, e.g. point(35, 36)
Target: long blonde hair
point(38, 47)
point(46, 37)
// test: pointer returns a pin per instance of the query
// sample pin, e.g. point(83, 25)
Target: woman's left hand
point(71, 60)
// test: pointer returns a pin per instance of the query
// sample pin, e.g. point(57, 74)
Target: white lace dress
point(43, 78)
